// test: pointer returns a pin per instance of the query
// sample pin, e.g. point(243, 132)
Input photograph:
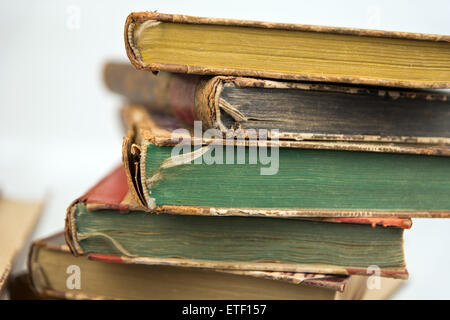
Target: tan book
point(17, 220)
point(50, 258)
point(51, 266)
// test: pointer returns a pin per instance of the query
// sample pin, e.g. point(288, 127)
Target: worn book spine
point(152, 18)
point(35, 278)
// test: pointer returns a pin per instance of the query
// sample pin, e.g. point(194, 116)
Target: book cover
point(101, 203)
point(383, 178)
point(298, 110)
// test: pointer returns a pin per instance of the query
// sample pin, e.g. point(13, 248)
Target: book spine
point(70, 230)
point(38, 283)
point(30, 267)
point(138, 87)
point(36, 279)
point(206, 95)
point(166, 93)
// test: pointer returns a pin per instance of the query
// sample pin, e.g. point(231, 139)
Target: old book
point(106, 222)
point(108, 277)
point(214, 176)
point(300, 111)
point(184, 44)
point(17, 220)
point(140, 87)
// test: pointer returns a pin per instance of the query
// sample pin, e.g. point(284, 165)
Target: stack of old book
point(261, 161)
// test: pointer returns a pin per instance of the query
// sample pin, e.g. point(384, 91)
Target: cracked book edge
point(399, 273)
point(131, 49)
point(401, 148)
point(70, 230)
point(377, 217)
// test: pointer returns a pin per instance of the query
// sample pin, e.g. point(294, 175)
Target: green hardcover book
point(215, 176)
point(107, 224)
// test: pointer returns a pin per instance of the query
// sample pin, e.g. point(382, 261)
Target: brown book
point(108, 277)
point(207, 46)
point(299, 111)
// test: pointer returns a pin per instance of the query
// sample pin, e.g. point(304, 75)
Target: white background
point(59, 126)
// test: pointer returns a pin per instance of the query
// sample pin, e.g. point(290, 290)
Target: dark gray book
point(299, 110)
